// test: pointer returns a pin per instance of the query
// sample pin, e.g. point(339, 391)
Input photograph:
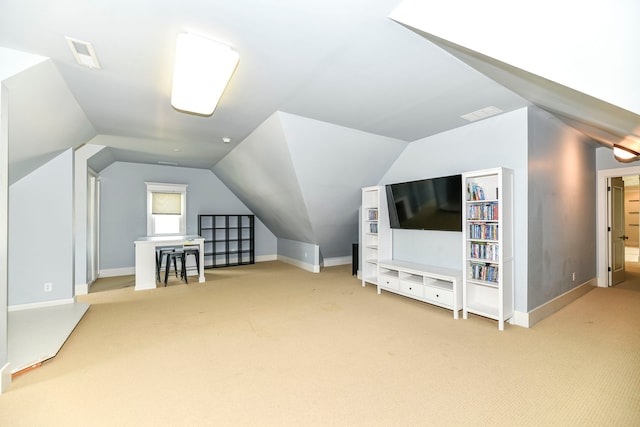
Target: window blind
point(166, 203)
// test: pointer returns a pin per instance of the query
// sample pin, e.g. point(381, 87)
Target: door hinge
point(608, 228)
point(608, 188)
point(608, 268)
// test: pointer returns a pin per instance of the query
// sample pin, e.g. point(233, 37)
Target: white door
point(617, 236)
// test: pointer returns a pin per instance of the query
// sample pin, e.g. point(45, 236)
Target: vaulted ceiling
point(342, 63)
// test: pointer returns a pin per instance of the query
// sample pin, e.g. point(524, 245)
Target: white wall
point(41, 233)
point(5, 369)
point(496, 141)
point(332, 163)
point(301, 254)
point(11, 62)
point(123, 208)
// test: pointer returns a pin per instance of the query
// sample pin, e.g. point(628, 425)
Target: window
point(166, 209)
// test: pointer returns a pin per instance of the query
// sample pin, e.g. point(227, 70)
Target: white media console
point(484, 285)
point(435, 285)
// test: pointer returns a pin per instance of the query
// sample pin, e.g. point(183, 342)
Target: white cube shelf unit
point(488, 245)
point(435, 285)
point(375, 232)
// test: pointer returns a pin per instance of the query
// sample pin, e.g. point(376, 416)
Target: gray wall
point(562, 208)
point(493, 142)
point(605, 160)
point(41, 233)
point(123, 207)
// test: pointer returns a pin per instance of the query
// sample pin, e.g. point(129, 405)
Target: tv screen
point(427, 204)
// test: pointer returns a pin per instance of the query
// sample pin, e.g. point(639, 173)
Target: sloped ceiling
point(342, 62)
point(44, 119)
point(302, 177)
point(572, 58)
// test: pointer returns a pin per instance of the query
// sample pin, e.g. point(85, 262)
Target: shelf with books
point(488, 244)
point(375, 234)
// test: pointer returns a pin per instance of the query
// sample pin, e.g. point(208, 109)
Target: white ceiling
point(343, 62)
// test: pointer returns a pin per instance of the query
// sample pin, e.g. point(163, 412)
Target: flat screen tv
point(427, 204)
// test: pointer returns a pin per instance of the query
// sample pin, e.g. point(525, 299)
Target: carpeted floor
point(272, 345)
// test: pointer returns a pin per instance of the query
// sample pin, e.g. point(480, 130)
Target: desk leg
point(145, 267)
point(201, 272)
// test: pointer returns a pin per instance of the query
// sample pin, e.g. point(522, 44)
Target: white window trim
point(159, 187)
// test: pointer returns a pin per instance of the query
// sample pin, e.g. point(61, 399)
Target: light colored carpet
point(272, 345)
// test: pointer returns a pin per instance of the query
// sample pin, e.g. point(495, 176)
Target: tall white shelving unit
point(488, 245)
point(375, 232)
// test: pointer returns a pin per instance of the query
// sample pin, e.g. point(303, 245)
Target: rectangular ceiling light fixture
point(483, 113)
point(201, 73)
point(83, 52)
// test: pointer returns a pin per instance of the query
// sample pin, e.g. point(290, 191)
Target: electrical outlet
point(573, 276)
point(48, 287)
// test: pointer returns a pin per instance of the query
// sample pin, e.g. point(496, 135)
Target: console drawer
point(412, 288)
point(389, 282)
point(438, 295)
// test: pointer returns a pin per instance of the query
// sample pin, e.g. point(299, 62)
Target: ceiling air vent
point(83, 52)
point(481, 113)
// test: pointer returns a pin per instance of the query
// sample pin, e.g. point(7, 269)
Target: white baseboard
point(82, 289)
point(5, 378)
point(18, 307)
point(300, 264)
point(126, 271)
point(114, 272)
point(332, 262)
point(529, 319)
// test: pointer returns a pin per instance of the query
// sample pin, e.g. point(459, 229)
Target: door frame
point(602, 235)
point(93, 230)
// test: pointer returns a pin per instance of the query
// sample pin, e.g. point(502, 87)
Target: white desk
point(146, 257)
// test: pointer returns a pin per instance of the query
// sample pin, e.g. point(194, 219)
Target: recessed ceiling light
point(481, 113)
point(176, 150)
point(226, 140)
point(83, 52)
point(161, 162)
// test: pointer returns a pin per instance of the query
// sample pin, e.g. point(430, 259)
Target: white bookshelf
point(375, 232)
point(488, 272)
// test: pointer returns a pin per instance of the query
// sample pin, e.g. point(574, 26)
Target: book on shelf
point(487, 251)
point(487, 212)
point(373, 214)
point(373, 227)
point(486, 272)
point(483, 231)
point(474, 192)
